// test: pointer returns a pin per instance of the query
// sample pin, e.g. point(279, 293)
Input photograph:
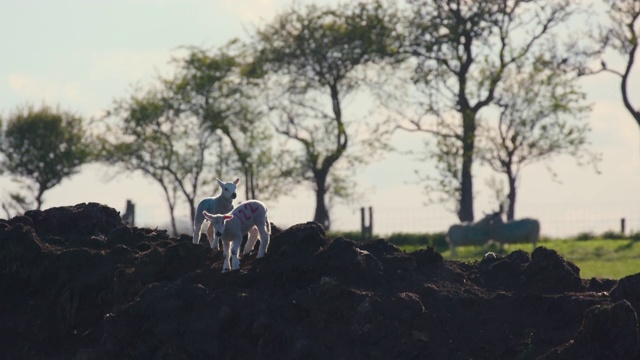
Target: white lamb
point(220, 204)
point(230, 228)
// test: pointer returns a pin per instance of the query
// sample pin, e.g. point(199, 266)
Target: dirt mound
point(78, 284)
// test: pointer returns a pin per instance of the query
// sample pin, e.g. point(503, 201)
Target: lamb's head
point(228, 188)
point(218, 222)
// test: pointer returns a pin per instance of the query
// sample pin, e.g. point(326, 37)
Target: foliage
point(43, 146)
point(610, 234)
point(305, 55)
point(584, 236)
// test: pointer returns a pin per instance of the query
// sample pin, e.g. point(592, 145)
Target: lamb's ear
point(227, 217)
point(206, 215)
point(236, 181)
point(220, 182)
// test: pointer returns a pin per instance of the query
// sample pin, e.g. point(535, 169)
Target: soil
point(77, 283)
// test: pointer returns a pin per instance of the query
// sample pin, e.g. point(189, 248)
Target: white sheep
point(523, 230)
point(468, 234)
point(220, 204)
point(230, 228)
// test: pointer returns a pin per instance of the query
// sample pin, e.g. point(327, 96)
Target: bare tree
point(622, 37)
point(461, 50)
point(314, 55)
point(542, 114)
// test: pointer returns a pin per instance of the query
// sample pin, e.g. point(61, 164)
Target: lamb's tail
point(267, 224)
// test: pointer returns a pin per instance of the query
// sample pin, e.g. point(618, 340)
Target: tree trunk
point(511, 210)
point(465, 212)
point(321, 215)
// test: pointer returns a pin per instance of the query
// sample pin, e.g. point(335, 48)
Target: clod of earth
point(76, 283)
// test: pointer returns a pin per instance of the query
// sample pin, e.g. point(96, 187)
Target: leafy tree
point(190, 129)
point(214, 89)
point(460, 51)
point(43, 146)
point(149, 135)
point(541, 116)
point(312, 59)
point(622, 37)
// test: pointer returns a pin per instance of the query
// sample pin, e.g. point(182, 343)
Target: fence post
point(366, 232)
point(130, 213)
point(622, 226)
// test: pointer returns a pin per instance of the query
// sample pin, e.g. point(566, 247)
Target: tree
point(321, 53)
point(622, 37)
point(191, 128)
point(150, 135)
point(214, 89)
point(541, 116)
point(43, 146)
point(461, 50)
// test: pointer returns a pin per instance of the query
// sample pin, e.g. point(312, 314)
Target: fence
point(557, 220)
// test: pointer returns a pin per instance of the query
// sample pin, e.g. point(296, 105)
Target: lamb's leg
point(225, 256)
point(212, 242)
point(251, 241)
point(235, 250)
point(197, 227)
point(264, 241)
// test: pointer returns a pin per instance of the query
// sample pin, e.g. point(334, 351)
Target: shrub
point(436, 240)
point(611, 235)
point(584, 236)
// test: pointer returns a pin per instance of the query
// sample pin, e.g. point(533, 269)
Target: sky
point(84, 54)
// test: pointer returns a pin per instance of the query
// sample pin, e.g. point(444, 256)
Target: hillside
point(78, 284)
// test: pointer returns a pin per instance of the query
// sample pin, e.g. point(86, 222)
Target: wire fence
point(557, 220)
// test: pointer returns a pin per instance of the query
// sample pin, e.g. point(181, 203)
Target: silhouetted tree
point(312, 59)
point(542, 115)
point(195, 126)
point(213, 88)
point(622, 37)
point(43, 146)
point(461, 50)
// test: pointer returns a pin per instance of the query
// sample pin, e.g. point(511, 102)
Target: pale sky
point(83, 54)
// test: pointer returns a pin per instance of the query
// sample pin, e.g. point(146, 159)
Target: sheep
point(220, 204)
point(468, 234)
point(230, 228)
point(523, 230)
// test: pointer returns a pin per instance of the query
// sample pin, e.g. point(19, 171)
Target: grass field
point(603, 258)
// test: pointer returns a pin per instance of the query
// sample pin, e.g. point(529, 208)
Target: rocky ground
point(78, 284)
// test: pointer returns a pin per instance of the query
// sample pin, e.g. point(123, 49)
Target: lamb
point(230, 228)
point(468, 234)
point(523, 230)
point(220, 204)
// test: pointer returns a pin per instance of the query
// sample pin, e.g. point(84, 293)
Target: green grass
point(602, 258)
